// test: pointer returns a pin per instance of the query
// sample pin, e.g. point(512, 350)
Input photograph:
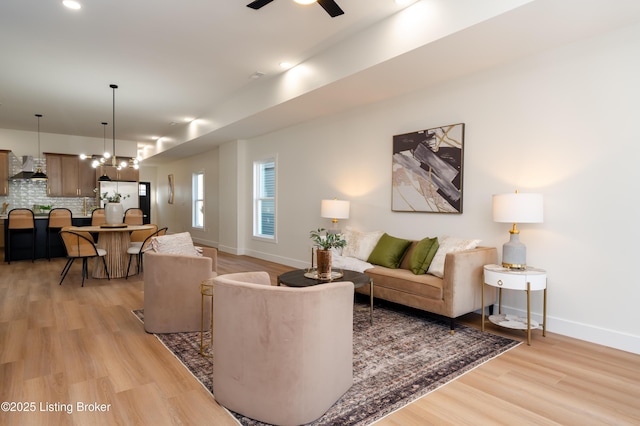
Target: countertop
point(46, 216)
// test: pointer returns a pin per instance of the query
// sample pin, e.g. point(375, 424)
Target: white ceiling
point(194, 58)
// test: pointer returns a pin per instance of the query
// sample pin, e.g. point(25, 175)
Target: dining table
point(115, 241)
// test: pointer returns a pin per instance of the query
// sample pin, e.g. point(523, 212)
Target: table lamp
point(516, 208)
point(334, 209)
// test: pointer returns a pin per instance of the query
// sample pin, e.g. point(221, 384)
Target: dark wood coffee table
point(297, 279)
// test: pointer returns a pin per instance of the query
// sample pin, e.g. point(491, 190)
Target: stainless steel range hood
point(26, 169)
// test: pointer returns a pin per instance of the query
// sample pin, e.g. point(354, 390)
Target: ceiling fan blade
point(257, 4)
point(331, 7)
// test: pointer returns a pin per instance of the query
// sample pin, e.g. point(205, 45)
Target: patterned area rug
point(401, 357)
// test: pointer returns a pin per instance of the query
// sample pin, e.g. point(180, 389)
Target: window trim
point(195, 200)
point(258, 167)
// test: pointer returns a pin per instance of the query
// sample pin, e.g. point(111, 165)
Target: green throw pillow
point(389, 251)
point(422, 255)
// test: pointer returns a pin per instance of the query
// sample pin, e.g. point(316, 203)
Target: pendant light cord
point(40, 159)
point(113, 125)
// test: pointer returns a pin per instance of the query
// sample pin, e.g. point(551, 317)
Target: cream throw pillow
point(175, 244)
point(360, 244)
point(448, 245)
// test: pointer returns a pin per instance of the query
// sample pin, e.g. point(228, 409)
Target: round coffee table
point(297, 278)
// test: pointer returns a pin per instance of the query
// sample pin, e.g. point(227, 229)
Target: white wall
point(560, 123)
point(177, 216)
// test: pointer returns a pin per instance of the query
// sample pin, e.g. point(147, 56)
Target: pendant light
point(39, 174)
point(104, 177)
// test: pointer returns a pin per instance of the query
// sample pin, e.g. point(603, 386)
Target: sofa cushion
point(389, 251)
point(360, 244)
point(422, 255)
point(175, 244)
point(448, 245)
point(406, 282)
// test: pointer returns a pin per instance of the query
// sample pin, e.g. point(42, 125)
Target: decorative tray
point(314, 275)
point(113, 225)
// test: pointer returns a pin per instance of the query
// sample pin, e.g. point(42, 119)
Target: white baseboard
point(294, 263)
point(601, 336)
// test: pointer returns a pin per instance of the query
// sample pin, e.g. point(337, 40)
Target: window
point(264, 206)
point(197, 220)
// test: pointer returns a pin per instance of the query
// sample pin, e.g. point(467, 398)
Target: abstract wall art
point(427, 170)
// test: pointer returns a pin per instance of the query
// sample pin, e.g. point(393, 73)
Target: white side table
point(530, 279)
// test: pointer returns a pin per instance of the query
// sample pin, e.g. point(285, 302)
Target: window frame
point(259, 199)
point(197, 179)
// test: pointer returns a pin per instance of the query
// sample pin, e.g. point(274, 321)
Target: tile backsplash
point(26, 193)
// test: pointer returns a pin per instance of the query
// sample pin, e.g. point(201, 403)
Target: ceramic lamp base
point(514, 253)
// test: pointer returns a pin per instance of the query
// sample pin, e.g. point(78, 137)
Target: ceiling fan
point(330, 6)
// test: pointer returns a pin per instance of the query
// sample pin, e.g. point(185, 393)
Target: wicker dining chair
point(80, 245)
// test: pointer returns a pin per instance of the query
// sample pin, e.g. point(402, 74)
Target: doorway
point(144, 200)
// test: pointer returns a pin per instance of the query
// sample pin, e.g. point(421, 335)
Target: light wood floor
point(64, 345)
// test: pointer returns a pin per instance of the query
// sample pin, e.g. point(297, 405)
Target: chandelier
point(98, 161)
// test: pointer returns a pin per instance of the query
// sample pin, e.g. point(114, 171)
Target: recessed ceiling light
point(72, 4)
point(403, 2)
point(286, 65)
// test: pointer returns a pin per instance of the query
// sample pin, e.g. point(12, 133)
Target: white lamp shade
point(518, 208)
point(334, 209)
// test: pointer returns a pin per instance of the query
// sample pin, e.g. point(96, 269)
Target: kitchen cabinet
point(124, 174)
point(4, 172)
point(69, 176)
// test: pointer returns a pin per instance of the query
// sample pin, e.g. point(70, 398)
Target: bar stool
point(21, 220)
point(58, 219)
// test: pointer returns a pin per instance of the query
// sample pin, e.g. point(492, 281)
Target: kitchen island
point(21, 241)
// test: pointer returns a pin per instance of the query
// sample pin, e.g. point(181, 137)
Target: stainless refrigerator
point(124, 188)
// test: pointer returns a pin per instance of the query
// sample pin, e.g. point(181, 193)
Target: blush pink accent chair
point(281, 355)
point(172, 298)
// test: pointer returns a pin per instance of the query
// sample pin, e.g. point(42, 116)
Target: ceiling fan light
point(305, 1)
point(71, 4)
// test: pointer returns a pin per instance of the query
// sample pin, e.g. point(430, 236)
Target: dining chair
point(58, 219)
point(138, 237)
point(21, 221)
point(98, 217)
point(137, 249)
point(133, 216)
point(80, 245)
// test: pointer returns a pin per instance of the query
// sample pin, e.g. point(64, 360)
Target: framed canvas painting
point(427, 170)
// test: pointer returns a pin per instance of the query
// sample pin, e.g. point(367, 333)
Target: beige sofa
point(172, 301)
point(458, 292)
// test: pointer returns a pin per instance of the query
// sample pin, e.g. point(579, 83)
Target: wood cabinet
point(4, 172)
point(69, 176)
point(125, 174)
